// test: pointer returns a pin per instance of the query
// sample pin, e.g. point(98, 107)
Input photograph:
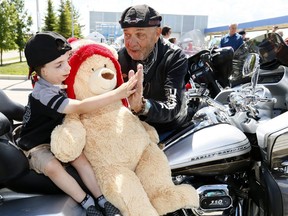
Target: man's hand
point(135, 100)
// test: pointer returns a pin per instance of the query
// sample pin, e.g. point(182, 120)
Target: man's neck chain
point(147, 63)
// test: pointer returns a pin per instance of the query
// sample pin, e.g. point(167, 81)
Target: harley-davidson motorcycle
point(232, 151)
point(235, 150)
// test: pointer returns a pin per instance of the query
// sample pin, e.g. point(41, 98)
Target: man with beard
point(159, 98)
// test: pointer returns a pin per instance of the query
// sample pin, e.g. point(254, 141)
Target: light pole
point(38, 16)
point(72, 20)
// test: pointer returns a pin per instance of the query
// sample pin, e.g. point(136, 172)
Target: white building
point(107, 23)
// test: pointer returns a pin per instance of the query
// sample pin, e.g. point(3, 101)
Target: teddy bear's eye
point(93, 70)
point(105, 65)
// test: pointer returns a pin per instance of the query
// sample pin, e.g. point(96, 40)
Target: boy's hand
point(128, 88)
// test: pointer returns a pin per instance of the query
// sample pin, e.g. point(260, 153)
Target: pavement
point(16, 87)
point(12, 56)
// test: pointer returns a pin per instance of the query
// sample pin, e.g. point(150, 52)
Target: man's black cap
point(140, 16)
point(45, 47)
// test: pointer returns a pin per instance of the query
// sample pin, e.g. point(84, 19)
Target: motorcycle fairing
point(276, 81)
point(272, 138)
point(272, 50)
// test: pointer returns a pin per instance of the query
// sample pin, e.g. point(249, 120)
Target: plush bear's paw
point(170, 199)
point(68, 141)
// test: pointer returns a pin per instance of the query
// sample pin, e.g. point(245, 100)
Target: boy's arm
point(91, 103)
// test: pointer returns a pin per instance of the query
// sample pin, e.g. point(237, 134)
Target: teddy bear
point(132, 171)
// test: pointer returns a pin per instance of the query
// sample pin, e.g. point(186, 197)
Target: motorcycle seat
point(13, 161)
point(4, 124)
point(11, 109)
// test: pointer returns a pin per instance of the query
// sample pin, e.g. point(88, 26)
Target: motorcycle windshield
point(272, 51)
point(192, 42)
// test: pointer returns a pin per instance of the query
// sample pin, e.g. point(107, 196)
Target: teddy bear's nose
point(107, 75)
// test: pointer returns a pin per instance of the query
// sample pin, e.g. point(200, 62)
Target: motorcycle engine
point(214, 198)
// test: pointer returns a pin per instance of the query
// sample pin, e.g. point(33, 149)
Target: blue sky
point(219, 12)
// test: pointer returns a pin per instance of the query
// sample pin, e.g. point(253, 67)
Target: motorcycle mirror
point(251, 68)
point(251, 64)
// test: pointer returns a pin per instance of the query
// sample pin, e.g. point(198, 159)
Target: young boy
point(48, 53)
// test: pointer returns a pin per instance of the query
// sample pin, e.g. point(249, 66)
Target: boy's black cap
point(140, 16)
point(45, 47)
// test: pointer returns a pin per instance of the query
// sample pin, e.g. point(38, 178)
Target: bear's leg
point(123, 189)
point(154, 172)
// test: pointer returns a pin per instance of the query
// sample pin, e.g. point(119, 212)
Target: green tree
point(67, 24)
point(77, 27)
point(50, 19)
point(76, 31)
point(65, 21)
point(8, 18)
point(23, 24)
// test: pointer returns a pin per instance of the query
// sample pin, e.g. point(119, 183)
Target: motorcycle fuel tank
point(216, 149)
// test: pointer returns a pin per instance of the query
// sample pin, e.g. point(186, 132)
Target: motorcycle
point(235, 149)
point(258, 105)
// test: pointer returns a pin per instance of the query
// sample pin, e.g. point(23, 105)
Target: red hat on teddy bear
point(80, 56)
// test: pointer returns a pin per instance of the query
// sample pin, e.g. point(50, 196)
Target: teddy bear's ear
point(76, 44)
point(72, 39)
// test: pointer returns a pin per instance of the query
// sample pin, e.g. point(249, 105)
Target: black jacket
point(164, 86)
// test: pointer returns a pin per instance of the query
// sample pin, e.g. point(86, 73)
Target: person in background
point(232, 39)
point(159, 98)
point(173, 43)
point(275, 28)
point(286, 41)
point(189, 49)
point(243, 34)
point(48, 53)
point(166, 32)
point(173, 40)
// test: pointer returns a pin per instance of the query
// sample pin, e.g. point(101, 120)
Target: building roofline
point(258, 25)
